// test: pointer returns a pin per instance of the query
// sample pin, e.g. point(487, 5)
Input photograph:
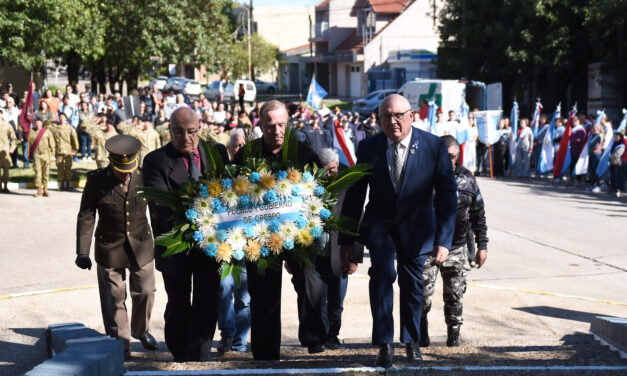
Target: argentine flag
point(623, 123)
point(545, 164)
point(432, 118)
point(513, 117)
point(581, 168)
point(535, 120)
point(316, 94)
point(462, 130)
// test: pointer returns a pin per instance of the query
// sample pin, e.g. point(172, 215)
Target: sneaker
point(596, 189)
point(618, 193)
point(89, 159)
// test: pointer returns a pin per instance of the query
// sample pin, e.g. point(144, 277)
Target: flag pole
point(490, 156)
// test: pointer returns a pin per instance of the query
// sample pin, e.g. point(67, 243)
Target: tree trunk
point(73, 61)
point(132, 80)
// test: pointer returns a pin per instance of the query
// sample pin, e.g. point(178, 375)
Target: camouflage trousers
point(454, 271)
point(64, 167)
point(5, 164)
point(41, 165)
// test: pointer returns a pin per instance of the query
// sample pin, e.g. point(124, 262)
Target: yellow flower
point(275, 243)
point(241, 185)
point(224, 253)
point(293, 176)
point(253, 250)
point(215, 188)
point(303, 237)
point(267, 181)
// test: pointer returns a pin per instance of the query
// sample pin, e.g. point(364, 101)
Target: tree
point(234, 61)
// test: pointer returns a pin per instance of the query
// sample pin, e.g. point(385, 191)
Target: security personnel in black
point(470, 212)
point(265, 289)
point(123, 241)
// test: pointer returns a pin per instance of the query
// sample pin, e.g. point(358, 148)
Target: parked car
point(191, 87)
point(265, 87)
point(370, 103)
point(160, 81)
point(175, 83)
point(230, 90)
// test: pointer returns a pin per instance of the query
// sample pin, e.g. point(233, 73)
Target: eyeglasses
point(397, 116)
point(181, 133)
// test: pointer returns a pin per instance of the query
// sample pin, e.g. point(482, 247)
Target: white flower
point(208, 240)
point(202, 205)
point(205, 219)
point(236, 238)
point(283, 188)
point(261, 232)
point(256, 195)
point(229, 198)
point(314, 221)
point(288, 230)
point(207, 230)
point(308, 188)
point(312, 207)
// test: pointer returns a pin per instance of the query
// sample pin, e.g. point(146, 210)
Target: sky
point(296, 3)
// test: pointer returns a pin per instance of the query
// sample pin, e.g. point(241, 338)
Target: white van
point(448, 94)
point(230, 91)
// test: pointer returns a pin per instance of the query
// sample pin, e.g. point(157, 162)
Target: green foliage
point(348, 177)
point(214, 160)
point(235, 59)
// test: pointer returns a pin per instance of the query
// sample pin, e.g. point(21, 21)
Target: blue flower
point(198, 236)
point(249, 231)
point(307, 176)
point(319, 191)
point(301, 222)
point(281, 175)
point(274, 226)
point(296, 189)
point(238, 254)
point(325, 214)
point(216, 204)
point(269, 196)
point(227, 183)
point(316, 232)
point(204, 192)
point(254, 177)
point(265, 252)
point(244, 200)
point(221, 235)
point(211, 250)
point(191, 214)
point(288, 244)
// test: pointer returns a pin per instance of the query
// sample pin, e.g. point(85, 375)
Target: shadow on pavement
point(12, 355)
point(560, 313)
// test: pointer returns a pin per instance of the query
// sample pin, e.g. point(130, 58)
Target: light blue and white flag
point(535, 120)
point(545, 164)
point(463, 127)
point(316, 94)
point(487, 126)
point(581, 167)
point(513, 117)
point(623, 123)
point(432, 118)
point(604, 163)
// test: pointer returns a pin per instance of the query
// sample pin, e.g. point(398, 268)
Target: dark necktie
point(194, 171)
point(397, 165)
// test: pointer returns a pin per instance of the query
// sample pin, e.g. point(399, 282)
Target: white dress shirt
point(403, 148)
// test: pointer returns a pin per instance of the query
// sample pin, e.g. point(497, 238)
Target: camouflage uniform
point(164, 132)
point(100, 137)
point(152, 141)
point(66, 145)
point(8, 143)
point(41, 157)
point(470, 211)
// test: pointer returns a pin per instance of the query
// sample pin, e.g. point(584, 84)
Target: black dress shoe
point(452, 336)
point(424, 332)
point(334, 343)
point(385, 355)
point(412, 350)
point(226, 344)
point(148, 341)
point(315, 349)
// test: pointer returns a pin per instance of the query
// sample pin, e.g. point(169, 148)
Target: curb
point(78, 350)
point(52, 184)
point(611, 331)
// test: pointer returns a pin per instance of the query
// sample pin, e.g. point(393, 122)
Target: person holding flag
point(524, 147)
point(563, 158)
point(578, 141)
point(545, 162)
point(462, 130)
point(513, 116)
point(581, 167)
point(41, 149)
point(316, 94)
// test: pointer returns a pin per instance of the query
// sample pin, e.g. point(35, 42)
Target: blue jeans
point(25, 153)
point(234, 310)
point(84, 140)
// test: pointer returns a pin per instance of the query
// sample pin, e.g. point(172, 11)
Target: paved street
point(556, 258)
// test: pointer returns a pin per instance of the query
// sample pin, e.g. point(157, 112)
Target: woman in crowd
point(501, 150)
point(144, 112)
point(596, 149)
point(85, 116)
point(470, 150)
point(44, 112)
point(53, 103)
point(618, 162)
point(523, 149)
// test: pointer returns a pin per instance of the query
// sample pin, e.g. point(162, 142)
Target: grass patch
point(341, 105)
point(25, 175)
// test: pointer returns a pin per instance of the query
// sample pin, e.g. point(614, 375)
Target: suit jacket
point(420, 227)
point(123, 235)
point(164, 169)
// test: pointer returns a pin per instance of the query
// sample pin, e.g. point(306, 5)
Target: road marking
point(51, 291)
point(298, 371)
point(527, 291)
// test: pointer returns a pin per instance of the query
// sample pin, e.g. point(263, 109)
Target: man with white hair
point(236, 142)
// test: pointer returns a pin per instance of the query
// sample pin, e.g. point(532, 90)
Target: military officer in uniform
point(41, 150)
point(101, 136)
point(123, 241)
point(66, 145)
point(470, 211)
point(8, 143)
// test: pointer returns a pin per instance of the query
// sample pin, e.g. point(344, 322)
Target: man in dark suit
point(265, 289)
point(400, 221)
point(190, 317)
point(123, 241)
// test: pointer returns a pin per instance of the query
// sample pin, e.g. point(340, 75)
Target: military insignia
point(124, 159)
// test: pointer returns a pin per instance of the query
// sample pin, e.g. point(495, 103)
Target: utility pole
point(250, 60)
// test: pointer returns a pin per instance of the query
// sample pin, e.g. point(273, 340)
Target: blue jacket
point(421, 227)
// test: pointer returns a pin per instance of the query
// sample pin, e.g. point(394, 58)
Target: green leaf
point(214, 160)
point(225, 270)
point(348, 177)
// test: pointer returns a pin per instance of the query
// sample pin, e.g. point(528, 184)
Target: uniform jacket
point(164, 169)
point(66, 140)
point(123, 235)
point(470, 210)
point(427, 167)
point(45, 148)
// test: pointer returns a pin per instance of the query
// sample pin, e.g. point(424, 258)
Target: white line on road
point(297, 371)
